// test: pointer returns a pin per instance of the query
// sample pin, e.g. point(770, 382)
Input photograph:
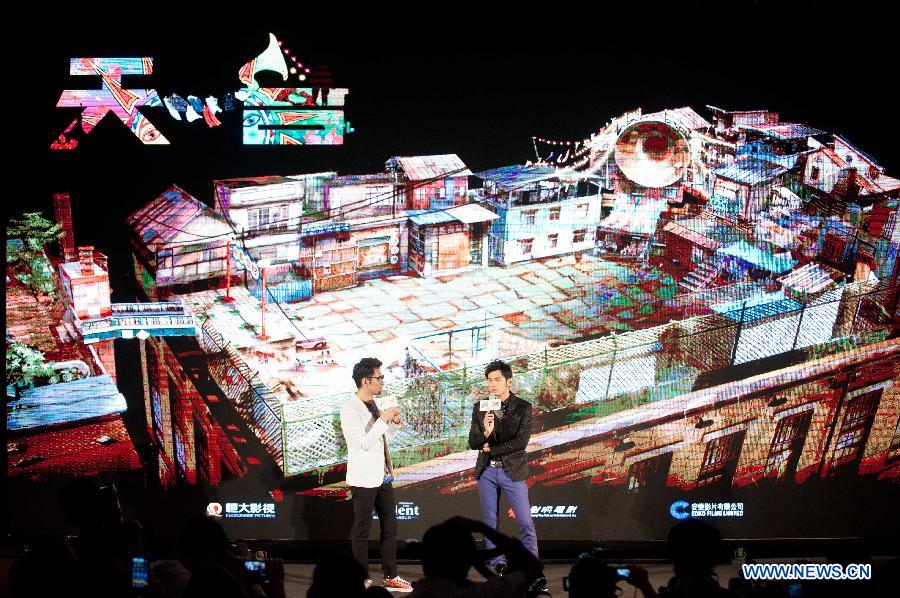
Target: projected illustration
point(701, 309)
point(311, 114)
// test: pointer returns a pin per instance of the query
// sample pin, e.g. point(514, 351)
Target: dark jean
point(382, 500)
point(494, 482)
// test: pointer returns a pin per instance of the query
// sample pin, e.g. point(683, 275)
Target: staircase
point(699, 277)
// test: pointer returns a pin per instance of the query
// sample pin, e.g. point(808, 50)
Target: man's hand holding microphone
point(391, 414)
point(488, 429)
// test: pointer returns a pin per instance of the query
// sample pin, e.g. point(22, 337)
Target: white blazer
point(365, 437)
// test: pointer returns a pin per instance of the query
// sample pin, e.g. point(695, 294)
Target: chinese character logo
point(312, 115)
point(214, 509)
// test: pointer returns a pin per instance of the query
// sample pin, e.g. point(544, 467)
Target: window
point(529, 217)
point(525, 245)
point(554, 213)
point(579, 235)
point(267, 218)
point(552, 241)
point(787, 442)
point(649, 473)
point(582, 210)
point(372, 196)
point(855, 428)
point(814, 173)
point(258, 219)
point(720, 458)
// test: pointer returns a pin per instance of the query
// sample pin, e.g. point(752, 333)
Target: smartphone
point(623, 572)
point(255, 568)
point(565, 584)
point(140, 570)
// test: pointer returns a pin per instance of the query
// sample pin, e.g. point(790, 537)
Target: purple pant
point(494, 482)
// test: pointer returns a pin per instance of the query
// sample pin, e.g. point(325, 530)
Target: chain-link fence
point(252, 399)
point(601, 376)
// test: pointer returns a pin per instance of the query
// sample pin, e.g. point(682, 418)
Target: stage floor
point(298, 577)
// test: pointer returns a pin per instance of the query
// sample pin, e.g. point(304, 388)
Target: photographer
point(206, 562)
point(695, 547)
point(449, 552)
point(591, 577)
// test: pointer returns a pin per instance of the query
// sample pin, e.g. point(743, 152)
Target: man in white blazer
point(367, 431)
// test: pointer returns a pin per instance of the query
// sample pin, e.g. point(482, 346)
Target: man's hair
point(364, 369)
point(591, 577)
point(448, 551)
point(500, 366)
point(695, 546)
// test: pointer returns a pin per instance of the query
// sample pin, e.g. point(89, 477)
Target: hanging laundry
point(195, 103)
point(172, 111)
point(210, 118)
point(213, 103)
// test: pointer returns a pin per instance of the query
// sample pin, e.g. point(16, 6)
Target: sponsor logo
point(681, 509)
point(250, 510)
point(554, 511)
point(405, 511)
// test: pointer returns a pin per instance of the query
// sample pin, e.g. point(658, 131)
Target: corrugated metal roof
point(713, 229)
point(471, 213)
point(692, 236)
point(420, 168)
point(360, 179)
point(467, 214)
point(759, 258)
point(435, 217)
point(638, 217)
point(517, 175)
point(66, 402)
point(166, 216)
point(756, 308)
point(261, 181)
point(750, 171)
point(785, 131)
point(811, 278)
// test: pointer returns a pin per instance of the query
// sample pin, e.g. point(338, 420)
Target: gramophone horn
point(652, 153)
